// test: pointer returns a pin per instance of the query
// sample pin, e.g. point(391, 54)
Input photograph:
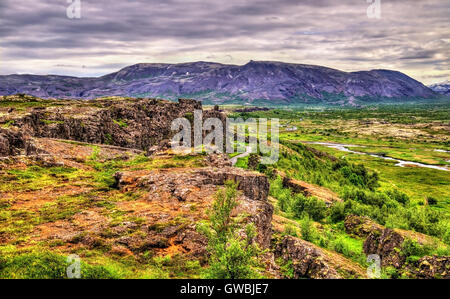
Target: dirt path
point(248, 151)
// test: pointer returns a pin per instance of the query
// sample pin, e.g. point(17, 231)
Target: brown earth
point(308, 190)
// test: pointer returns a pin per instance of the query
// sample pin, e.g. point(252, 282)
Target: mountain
point(442, 88)
point(254, 82)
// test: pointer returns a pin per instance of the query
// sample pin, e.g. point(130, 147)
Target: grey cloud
point(34, 33)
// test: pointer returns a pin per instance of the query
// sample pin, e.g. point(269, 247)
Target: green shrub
point(290, 230)
point(308, 230)
point(337, 212)
point(47, 265)
point(231, 256)
point(315, 208)
point(398, 196)
point(432, 201)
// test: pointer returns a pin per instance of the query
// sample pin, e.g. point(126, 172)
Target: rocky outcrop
point(198, 186)
point(361, 226)
point(254, 185)
point(13, 143)
point(143, 124)
point(388, 245)
point(307, 260)
point(384, 242)
point(431, 267)
point(137, 124)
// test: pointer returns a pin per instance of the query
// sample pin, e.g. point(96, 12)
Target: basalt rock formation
point(14, 142)
point(307, 260)
point(135, 124)
point(431, 267)
point(11, 142)
point(138, 124)
point(388, 244)
point(197, 186)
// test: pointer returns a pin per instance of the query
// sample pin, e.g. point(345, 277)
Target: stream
point(400, 163)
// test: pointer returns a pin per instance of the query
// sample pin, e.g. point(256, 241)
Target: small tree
point(231, 255)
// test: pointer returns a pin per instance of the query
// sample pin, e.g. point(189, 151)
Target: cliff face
point(308, 260)
point(11, 142)
point(258, 80)
point(138, 124)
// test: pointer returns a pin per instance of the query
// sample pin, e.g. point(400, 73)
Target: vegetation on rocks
point(129, 211)
point(232, 256)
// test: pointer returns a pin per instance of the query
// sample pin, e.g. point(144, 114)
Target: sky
point(45, 37)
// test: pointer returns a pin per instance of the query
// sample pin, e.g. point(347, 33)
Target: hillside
point(255, 82)
point(85, 178)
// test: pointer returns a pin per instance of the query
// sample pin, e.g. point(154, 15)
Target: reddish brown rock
point(11, 142)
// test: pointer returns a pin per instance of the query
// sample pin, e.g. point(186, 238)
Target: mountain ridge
point(270, 81)
point(441, 87)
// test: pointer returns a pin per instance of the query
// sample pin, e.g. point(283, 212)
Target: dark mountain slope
point(275, 82)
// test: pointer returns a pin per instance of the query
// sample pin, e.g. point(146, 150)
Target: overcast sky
point(412, 36)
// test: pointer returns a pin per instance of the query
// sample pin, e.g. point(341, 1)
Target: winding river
point(400, 163)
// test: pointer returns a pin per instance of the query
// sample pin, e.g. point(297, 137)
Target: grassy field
point(412, 133)
point(411, 197)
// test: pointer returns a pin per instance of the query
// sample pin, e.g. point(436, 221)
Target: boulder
point(431, 267)
point(388, 245)
point(13, 142)
point(361, 226)
point(385, 242)
point(307, 260)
